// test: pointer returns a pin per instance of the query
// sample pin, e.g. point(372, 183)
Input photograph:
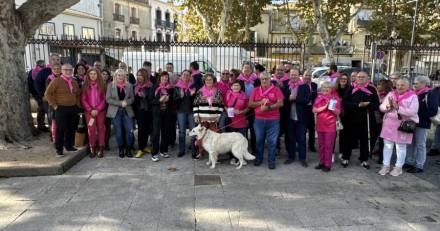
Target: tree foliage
point(201, 19)
point(394, 19)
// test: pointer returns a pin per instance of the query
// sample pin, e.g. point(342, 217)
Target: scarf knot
point(69, 82)
point(248, 79)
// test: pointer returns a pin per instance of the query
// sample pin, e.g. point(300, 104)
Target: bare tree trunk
point(247, 28)
point(16, 26)
point(206, 24)
point(224, 19)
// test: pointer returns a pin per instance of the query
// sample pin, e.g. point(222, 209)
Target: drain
point(207, 180)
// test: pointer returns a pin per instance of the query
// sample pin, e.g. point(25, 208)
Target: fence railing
point(209, 55)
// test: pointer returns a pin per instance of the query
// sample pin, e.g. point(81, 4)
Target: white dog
point(221, 143)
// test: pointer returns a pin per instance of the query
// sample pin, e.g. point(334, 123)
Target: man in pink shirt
point(266, 101)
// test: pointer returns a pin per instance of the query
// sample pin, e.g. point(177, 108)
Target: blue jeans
point(417, 150)
point(296, 134)
point(266, 129)
point(436, 141)
point(123, 121)
point(185, 121)
point(222, 121)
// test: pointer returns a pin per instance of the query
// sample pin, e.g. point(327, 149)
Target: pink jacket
point(93, 99)
point(326, 120)
point(408, 109)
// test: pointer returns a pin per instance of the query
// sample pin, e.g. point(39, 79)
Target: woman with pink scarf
point(93, 102)
point(399, 105)
point(161, 99)
point(327, 107)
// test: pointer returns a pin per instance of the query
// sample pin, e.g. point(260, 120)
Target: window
point(168, 38)
point(117, 8)
point(47, 28)
point(68, 30)
point(118, 33)
point(88, 33)
point(133, 12)
point(158, 15)
point(133, 34)
point(167, 16)
point(159, 37)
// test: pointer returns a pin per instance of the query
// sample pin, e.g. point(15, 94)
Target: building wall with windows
point(126, 19)
point(164, 20)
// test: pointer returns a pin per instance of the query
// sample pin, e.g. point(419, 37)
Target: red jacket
point(93, 99)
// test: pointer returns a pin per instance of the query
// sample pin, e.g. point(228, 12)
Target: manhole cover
point(207, 180)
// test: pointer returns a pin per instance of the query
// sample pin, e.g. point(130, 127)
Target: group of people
point(262, 106)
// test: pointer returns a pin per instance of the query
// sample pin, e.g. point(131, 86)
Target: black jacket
point(40, 81)
point(184, 104)
point(154, 100)
point(428, 107)
point(352, 111)
point(304, 101)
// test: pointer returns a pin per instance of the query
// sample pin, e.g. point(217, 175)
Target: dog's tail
point(248, 156)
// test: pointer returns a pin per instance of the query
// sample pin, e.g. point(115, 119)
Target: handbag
point(339, 125)
point(407, 126)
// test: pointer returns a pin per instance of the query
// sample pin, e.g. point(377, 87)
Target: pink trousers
point(97, 129)
point(326, 141)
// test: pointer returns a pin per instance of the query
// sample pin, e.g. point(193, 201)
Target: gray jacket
point(114, 104)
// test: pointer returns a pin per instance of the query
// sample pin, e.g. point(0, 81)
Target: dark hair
point(40, 63)
point(186, 70)
point(333, 67)
point(194, 65)
point(338, 85)
point(235, 72)
point(144, 74)
point(387, 84)
point(236, 82)
point(147, 63)
point(209, 75)
point(259, 67)
point(75, 70)
point(170, 64)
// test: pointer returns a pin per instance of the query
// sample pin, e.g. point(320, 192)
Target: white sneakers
point(386, 169)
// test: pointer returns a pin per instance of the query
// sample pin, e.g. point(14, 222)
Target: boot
point(128, 152)
point(92, 153)
point(121, 152)
point(101, 152)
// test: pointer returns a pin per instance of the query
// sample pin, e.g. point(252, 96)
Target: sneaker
point(415, 170)
point(164, 155)
point(396, 171)
point(233, 161)
point(365, 165)
point(147, 149)
point(407, 166)
point(139, 153)
point(344, 163)
point(155, 158)
point(340, 157)
point(384, 170)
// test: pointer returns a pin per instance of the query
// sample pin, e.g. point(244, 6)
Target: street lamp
point(412, 37)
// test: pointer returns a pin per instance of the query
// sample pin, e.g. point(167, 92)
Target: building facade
point(164, 20)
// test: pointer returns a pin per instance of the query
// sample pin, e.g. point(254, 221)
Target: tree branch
point(206, 23)
point(33, 13)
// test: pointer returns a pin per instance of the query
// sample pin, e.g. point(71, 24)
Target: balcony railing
point(163, 24)
point(118, 17)
point(134, 20)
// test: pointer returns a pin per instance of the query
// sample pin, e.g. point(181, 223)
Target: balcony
point(118, 17)
point(134, 20)
point(163, 24)
point(362, 23)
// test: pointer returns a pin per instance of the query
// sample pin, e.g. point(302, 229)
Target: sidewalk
point(137, 194)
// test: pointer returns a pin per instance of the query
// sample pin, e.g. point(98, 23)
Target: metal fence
point(392, 56)
point(210, 56)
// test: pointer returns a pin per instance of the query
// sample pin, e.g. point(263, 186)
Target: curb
point(57, 169)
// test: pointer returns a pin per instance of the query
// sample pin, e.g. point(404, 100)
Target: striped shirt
point(205, 112)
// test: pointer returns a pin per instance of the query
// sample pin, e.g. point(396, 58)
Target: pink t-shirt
point(326, 120)
point(238, 102)
point(272, 94)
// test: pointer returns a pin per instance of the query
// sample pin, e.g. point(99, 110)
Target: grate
point(207, 180)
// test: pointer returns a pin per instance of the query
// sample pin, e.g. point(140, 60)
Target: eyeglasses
point(344, 79)
point(225, 73)
point(67, 69)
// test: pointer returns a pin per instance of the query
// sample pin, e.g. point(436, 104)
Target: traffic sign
point(380, 55)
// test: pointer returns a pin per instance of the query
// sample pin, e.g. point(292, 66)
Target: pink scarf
point(35, 71)
point(139, 88)
point(121, 86)
point(423, 90)
point(400, 98)
point(195, 72)
point(295, 84)
point(163, 89)
point(363, 88)
point(335, 75)
point(81, 77)
point(280, 80)
point(208, 93)
point(232, 97)
point(184, 86)
point(51, 77)
point(266, 92)
point(248, 79)
point(322, 99)
point(69, 82)
point(223, 86)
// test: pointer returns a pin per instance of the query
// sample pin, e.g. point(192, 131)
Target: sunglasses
point(225, 73)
